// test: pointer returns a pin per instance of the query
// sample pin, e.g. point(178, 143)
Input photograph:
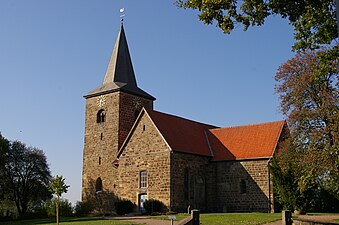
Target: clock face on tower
point(101, 101)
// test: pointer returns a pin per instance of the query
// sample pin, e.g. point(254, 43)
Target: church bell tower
point(111, 110)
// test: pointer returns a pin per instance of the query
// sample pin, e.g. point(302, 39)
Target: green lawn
point(71, 221)
point(230, 218)
point(238, 218)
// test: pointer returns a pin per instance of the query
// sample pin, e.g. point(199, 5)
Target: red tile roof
point(233, 143)
point(245, 142)
point(181, 134)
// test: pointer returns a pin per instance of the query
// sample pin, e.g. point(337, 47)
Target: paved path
point(323, 218)
point(145, 220)
point(274, 223)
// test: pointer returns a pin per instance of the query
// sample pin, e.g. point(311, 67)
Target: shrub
point(152, 205)
point(65, 207)
point(124, 206)
point(83, 208)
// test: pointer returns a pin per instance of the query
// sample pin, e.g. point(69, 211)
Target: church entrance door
point(142, 199)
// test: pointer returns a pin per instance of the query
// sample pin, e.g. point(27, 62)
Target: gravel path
point(274, 223)
point(145, 220)
point(323, 218)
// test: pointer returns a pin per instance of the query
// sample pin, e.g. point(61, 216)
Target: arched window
point(98, 185)
point(101, 116)
point(243, 187)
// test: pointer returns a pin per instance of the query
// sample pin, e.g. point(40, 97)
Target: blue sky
point(52, 52)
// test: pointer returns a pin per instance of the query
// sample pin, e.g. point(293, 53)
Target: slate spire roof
point(120, 74)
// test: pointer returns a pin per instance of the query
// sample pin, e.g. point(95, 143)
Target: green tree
point(314, 22)
point(24, 176)
point(4, 147)
point(309, 93)
point(58, 187)
point(286, 168)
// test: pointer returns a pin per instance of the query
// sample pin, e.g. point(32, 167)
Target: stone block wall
point(100, 144)
point(195, 165)
point(145, 151)
point(102, 140)
point(230, 176)
point(129, 108)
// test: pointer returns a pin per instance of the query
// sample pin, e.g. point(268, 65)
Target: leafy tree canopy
point(309, 93)
point(24, 175)
point(58, 186)
point(314, 21)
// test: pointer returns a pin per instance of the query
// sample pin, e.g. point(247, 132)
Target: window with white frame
point(143, 179)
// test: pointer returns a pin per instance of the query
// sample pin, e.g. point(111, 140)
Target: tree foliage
point(4, 148)
point(24, 175)
point(58, 187)
point(314, 22)
point(308, 86)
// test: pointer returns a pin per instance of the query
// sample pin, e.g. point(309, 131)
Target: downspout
point(269, 184)
point(171, 180)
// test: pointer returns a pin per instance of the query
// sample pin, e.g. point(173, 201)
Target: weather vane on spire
point(122, 15)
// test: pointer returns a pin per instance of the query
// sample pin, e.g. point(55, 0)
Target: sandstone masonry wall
point(101, 143)
point(102, 140)
point(145, 151)
point(196, 166)
point(229, 176)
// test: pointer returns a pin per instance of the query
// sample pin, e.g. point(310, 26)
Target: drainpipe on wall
point(171, 182)
point(269, 184)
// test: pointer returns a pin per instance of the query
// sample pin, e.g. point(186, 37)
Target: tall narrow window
point(98, 185)
point(243, 187)
point(101, 116)
point(186, 184)
point(143, 179)
point(99, 160)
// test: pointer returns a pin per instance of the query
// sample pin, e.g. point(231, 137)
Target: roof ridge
point(250, 125)
point(179, 117)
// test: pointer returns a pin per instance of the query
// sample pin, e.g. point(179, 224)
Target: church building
point(132, 151)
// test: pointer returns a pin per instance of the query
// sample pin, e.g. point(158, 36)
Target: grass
point(230, 218)
point(71, 221)
point(238, 218)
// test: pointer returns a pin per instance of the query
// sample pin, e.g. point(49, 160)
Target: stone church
point(135, 152)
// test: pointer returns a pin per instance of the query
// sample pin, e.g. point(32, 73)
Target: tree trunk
point(57, 211)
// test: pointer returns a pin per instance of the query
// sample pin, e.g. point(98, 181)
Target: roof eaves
point(244, 159)
point(191, 153)
point(89, 95)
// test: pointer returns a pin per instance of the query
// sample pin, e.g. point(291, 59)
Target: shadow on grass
point(51, 220)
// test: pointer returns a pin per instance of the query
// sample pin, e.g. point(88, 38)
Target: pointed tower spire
point(120, 74)
point(120, 68)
